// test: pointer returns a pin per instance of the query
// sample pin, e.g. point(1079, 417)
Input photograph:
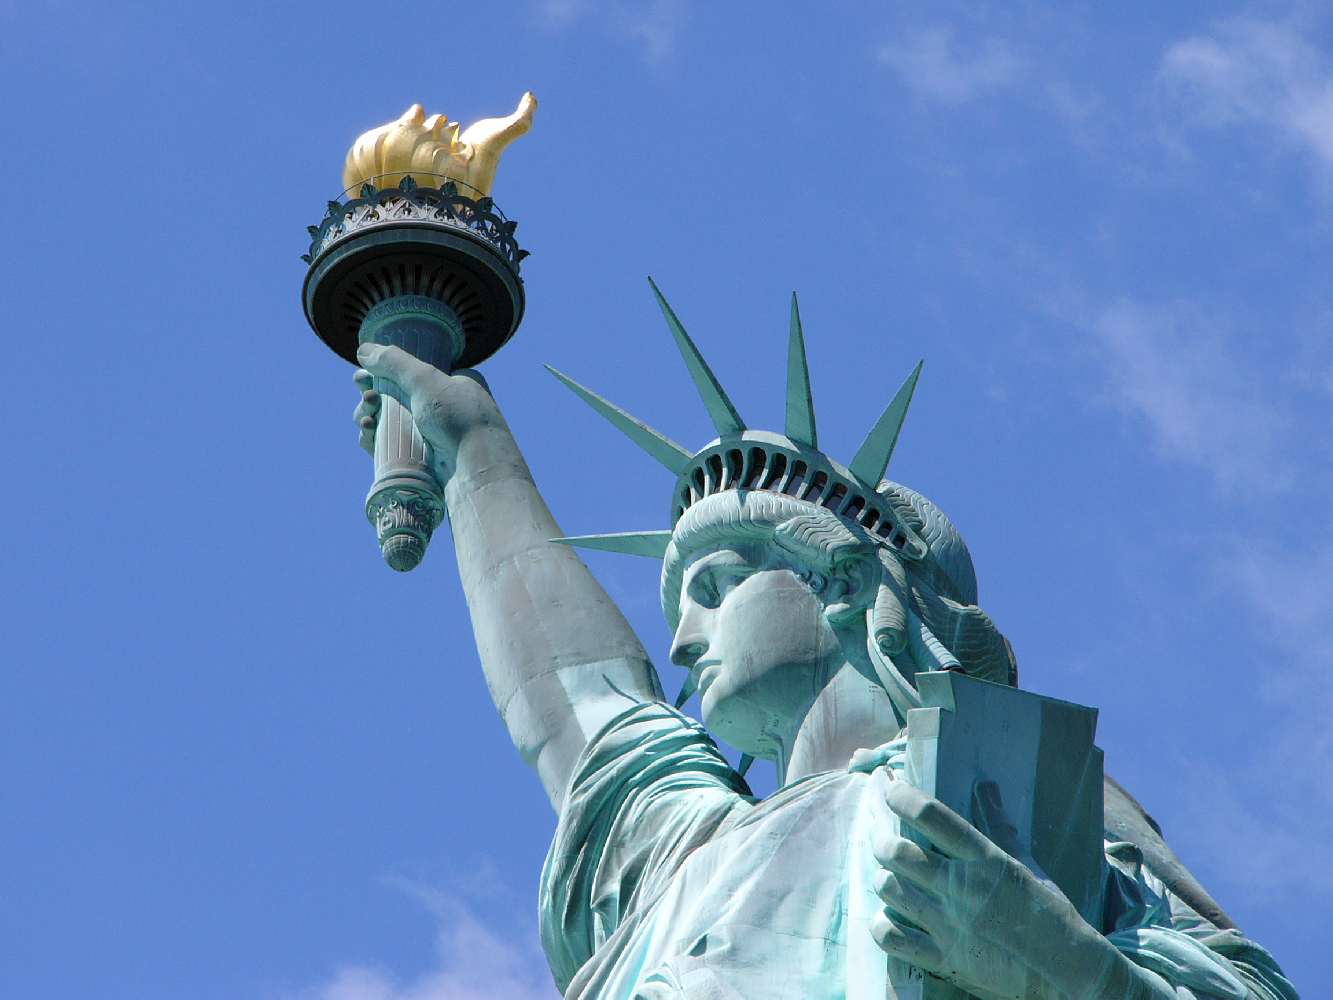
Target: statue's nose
point(690, 641)
point(685, 651)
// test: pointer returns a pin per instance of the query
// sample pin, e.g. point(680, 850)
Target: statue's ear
point(852, 586)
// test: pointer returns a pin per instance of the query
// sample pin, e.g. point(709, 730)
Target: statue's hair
point(969, 634)
point(948, 567)
point(940, 589)
point(812, 535)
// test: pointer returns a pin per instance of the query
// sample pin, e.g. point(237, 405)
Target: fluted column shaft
point(406, 503)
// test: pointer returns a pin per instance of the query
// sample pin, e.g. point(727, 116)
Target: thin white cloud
point(558, 13)
point(1269, 845)
point(934, 63)
point(1257, 71)
point(1172, 368)
point(1202, 391)
point(474, 962)
point(654, 24)
point(1213, 399)
point(1247, 833)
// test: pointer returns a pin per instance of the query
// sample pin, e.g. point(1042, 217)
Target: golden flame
point(430, 150)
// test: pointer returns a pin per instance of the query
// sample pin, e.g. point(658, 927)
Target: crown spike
point(723, 414)
point(652, 544)
point(686, 689)
point(662, 448)
point(872, 458)
point(800, 404)
point(744, 765)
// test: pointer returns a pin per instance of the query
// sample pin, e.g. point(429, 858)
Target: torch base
point(405, 511)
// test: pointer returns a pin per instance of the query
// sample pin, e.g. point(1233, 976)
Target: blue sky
point(243, 759)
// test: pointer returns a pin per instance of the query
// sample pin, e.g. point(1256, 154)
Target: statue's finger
point(907, 943)
point(946, 830)
point(366, 415)
point(409, 375)
point(363, 378)
point(906, 859)
point(922, 908)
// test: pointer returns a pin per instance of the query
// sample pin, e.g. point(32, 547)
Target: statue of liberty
point(805, 597)
point(827, 618)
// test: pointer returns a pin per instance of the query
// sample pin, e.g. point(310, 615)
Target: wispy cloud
point(1249, 833)
point(936, 64)
point(1173, 368)
point(558, 13)
point(655, 24)
point(1213, 404)
point(1274, 796)
point(1257, 72)
point(474, 962)
point(1250, 807)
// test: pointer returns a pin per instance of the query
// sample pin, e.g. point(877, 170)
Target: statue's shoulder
point(1127, 820)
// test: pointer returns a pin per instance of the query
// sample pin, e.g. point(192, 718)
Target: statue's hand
point(969, 913)
point(367, 412)
point(446, 408)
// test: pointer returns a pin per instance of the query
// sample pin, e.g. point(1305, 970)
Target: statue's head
point(767, 594)
point(760, 588)
point(783, 565)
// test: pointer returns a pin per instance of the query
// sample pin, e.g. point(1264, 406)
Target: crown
point(743, 459)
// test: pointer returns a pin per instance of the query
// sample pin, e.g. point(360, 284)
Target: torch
point(416, 254)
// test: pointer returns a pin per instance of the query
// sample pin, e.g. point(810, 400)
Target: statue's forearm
point(548, 635)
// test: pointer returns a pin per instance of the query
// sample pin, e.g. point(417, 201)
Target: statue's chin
point(736, 723)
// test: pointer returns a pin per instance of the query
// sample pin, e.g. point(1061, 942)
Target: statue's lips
point(708, 672)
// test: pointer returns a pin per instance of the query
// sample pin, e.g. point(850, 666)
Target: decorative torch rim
point(409, 203)
point(410, 239)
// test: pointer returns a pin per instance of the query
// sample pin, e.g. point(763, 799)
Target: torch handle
point(397, 440)
point(406, 503)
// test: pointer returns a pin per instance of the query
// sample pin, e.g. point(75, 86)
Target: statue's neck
point(851, 711)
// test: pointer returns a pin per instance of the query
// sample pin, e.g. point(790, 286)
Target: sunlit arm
point(559, 657)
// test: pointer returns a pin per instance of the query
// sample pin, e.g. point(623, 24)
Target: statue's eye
point(710, 587)
point(704, 590)
point(727, 580)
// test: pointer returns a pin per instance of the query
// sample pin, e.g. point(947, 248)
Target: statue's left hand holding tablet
point(969, 913)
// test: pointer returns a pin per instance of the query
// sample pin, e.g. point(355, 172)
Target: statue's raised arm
point(415, 276)
point(560, 659)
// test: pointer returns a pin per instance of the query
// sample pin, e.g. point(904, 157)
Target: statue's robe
point(667, 879)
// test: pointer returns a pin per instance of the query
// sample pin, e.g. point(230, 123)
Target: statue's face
point(756, 638)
